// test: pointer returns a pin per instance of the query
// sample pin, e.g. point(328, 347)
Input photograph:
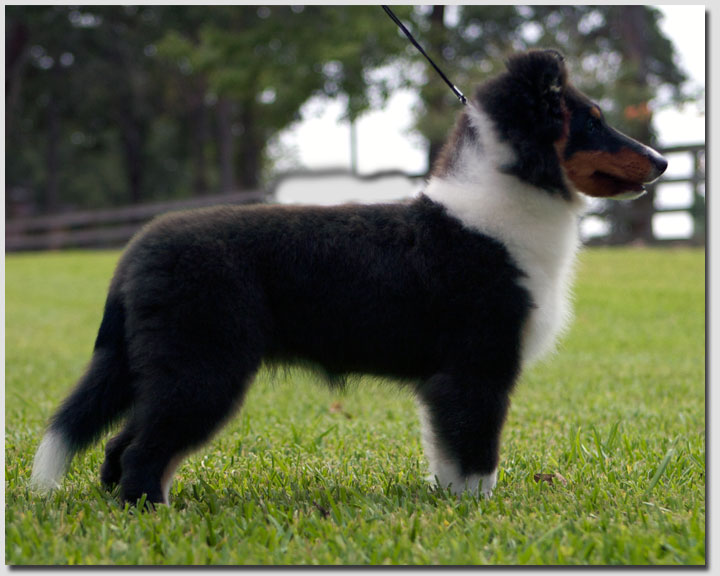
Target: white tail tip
point(51, 461)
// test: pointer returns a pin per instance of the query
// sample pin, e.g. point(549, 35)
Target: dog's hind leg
point(197, 332)
point(166, 427)
point(186, 388)
point(461, 426)
point(111, 469)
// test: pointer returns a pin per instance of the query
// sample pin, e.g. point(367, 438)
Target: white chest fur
point(539, 229)
point(540, 232)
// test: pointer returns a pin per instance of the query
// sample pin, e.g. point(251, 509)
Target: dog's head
point(559, 137)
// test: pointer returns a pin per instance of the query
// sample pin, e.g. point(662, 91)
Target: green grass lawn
point(304, 475)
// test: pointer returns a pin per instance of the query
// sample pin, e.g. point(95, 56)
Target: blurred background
point(114, 114)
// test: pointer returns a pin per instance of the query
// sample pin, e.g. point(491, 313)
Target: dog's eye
point(593, 124)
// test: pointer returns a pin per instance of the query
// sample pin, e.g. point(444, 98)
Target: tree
point(112, 104)
point(26, 63)
point(90, 98)
point(617, 54)
point(262, 63)
point(117, 104)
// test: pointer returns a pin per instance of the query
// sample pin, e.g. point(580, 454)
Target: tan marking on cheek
point(594, 172)
point(628, 165)
point(625, 164)
point(603, 174)
point(580, 168)
point(583, 163)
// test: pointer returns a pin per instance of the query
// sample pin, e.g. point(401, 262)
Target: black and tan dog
point(453, 292)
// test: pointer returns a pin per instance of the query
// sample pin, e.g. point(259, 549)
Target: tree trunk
point(225, 145)
point(15, 58)
point(433, 93)
point(632, 24)
point(250, 150)
point(198, 140)
point(133, 143)
point(353, 146)
point(52, 199)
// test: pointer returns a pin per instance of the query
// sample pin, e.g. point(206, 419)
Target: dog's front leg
point(461, 425)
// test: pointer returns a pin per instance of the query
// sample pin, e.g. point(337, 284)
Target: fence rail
point(103, 228)
point(114, 227)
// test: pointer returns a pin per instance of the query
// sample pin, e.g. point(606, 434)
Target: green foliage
point(271, 60)
point(117, 104)
point(307, 476)
point(617, 54)
point(131, 91)
point(90, 72)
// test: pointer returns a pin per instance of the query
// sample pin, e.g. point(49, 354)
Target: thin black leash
point(415, 43)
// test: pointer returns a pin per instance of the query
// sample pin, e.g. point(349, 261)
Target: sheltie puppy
point(452, 293)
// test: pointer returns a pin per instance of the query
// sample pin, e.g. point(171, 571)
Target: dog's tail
point(102, 394)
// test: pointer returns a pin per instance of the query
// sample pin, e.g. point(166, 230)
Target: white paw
point(476, 484)
point(487, 483)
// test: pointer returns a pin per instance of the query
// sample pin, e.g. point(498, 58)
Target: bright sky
point(385, 139)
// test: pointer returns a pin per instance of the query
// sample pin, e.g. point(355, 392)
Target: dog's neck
point(470, 179)
point(473, 149)
point(539, 229)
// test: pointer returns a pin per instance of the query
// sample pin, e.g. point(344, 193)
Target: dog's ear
point(537, 81)
point(527, 106)
point(541, 72)
point(554, 79)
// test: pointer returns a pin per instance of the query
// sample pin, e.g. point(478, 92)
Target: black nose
point(659, 163)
